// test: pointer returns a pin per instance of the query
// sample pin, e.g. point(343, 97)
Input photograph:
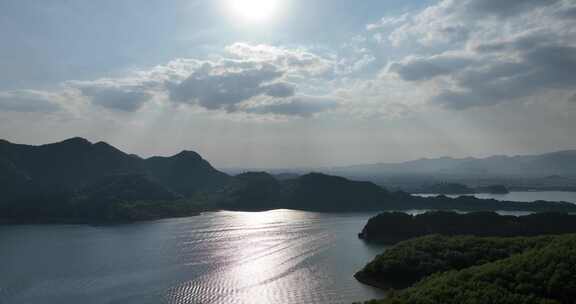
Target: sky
point(284, 83)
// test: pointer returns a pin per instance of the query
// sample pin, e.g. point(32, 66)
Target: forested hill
point(79, 179)
point(75, 163)
point(454, 270)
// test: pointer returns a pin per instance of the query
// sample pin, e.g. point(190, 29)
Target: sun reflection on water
point(261, 251)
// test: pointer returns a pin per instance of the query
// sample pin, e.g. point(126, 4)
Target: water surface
point(271, 257)
point(225, 257)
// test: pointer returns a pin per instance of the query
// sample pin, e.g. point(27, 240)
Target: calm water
point(557, 196)
point(226, 257)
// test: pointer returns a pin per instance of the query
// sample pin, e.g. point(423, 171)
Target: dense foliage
point(412, 260)
point(543, 275)
point(393, 227)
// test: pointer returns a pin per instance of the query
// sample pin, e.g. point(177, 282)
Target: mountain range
point(561, 163)
point(76, 162)
point(78, 180)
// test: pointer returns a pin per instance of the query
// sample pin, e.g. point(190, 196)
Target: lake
point(525, 196)
point(223, 257)
point(270, 257)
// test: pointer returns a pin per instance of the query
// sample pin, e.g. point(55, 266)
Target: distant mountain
point(562, 163)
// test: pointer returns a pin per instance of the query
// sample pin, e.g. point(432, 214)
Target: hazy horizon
point(292, 83)
point(298, 167)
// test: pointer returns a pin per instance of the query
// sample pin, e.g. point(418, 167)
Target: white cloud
point(417, 68)
point(387, 22)
point(303, 106)
point(223, 82)
point(299, 61)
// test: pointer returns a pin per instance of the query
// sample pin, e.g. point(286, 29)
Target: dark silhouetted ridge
point(186, 173)
point(316, 191)
point(253, 191)
point(77, 179)
point(74, 141)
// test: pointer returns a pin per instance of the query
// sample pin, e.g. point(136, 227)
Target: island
point(392, 227)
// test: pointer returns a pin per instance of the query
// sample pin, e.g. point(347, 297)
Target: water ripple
point(282, 256)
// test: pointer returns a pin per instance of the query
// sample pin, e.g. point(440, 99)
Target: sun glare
point(254, 11)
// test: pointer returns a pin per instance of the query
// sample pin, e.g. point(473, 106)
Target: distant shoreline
point(87, 222)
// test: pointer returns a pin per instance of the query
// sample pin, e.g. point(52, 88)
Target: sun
point(254, 11)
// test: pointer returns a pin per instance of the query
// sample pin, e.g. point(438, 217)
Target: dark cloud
point(231, 85)
point(417, 69)
point(537, 70)
point(303, 106)
point(568, 12)
point(27, 101)
point(121, 99)
point(520, 43)
point(223, 87)
point(506, 8)
point(280, 90)
point(454, 33)
point(573, 98)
